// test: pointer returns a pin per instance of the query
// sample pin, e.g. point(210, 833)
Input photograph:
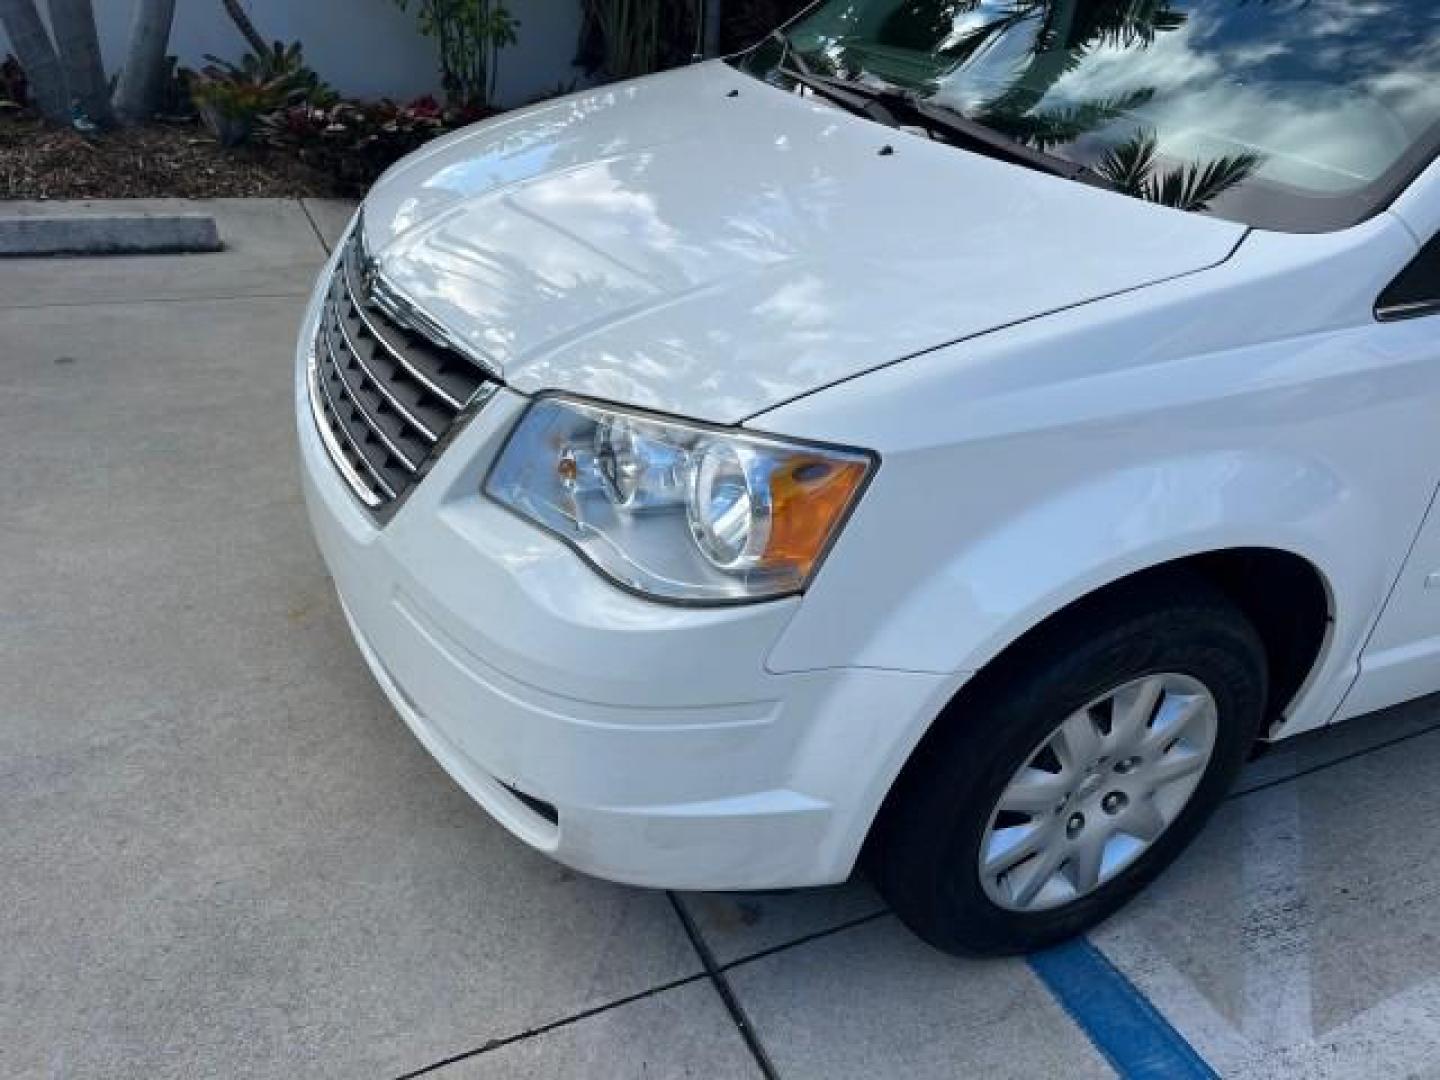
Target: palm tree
point(1048, 128)
point(1062, 32)
point(1072, 24)
point(37, 55)
point(73, 23)
point(137, 93)
point(67, 68)
point(1066, 30)
point(1133, 168)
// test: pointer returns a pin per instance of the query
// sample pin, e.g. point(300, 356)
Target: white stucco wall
point(364, 48)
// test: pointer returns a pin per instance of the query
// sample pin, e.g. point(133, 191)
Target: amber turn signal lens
point(809, 497)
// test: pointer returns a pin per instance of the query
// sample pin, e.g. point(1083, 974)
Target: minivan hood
point(705, 244)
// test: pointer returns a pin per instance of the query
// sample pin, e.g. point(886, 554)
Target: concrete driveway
point(221, 853)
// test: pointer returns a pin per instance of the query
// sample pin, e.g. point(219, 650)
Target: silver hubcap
point(1097, 792)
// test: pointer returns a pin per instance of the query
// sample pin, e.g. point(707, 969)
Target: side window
point(1416, 291)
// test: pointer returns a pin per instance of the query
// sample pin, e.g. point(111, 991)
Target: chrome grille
point(385, 387)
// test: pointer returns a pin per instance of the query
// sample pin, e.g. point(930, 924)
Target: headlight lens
point(677, 510)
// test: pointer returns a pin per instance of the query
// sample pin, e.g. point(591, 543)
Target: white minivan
point(951, 436)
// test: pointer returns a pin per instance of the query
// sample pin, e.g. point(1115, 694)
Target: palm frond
point(1197, 185)
point(1130, 165)
point(1049, 128)
point(1128, 23)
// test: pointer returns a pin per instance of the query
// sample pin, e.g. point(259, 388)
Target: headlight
point(677, 510)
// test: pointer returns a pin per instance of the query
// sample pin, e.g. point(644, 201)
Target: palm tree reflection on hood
point(1062, 34)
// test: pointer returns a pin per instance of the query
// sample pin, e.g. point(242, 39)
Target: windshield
point(1285, 114)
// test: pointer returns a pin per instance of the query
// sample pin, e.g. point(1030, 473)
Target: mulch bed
point(157, 161)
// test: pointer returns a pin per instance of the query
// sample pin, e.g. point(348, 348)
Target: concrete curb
point(108, 234)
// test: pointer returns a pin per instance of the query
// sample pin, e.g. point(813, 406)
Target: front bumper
point(671, 756)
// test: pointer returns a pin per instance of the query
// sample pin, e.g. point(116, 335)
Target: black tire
point(925, 851)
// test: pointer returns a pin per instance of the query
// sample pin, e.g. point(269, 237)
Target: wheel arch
point(1285, 596)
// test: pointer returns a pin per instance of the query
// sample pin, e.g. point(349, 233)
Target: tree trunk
point(713, 18)
point(137, 94)
point(242, 21)
point(37, 56)
point(74, 24)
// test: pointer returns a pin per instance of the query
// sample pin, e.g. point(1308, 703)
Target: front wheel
point(1075, 771)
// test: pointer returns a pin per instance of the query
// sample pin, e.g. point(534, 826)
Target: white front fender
point(989, 587)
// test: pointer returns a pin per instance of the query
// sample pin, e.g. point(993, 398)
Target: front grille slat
point(372, 421)
point(384, 398)
point(434, 411)
point(338, 424)
point(429, 380)
point(381, 384)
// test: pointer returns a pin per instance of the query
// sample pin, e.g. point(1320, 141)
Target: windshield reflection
point(1226, 105)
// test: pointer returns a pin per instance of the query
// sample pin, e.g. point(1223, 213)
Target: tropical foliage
point(1048, 128)
point(279, 67)
point(1066, 31)
point(470, 35)
point(1134, 168)
point(1060, 34)
point(355, 142)
point(230, 96)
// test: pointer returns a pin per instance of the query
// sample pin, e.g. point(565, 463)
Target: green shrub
point(231, 96)
point(470, 34)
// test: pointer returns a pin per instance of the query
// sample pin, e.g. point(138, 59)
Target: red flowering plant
point(357, 141)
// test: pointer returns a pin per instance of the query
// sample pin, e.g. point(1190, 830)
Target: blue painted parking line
point(1119, 1020)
